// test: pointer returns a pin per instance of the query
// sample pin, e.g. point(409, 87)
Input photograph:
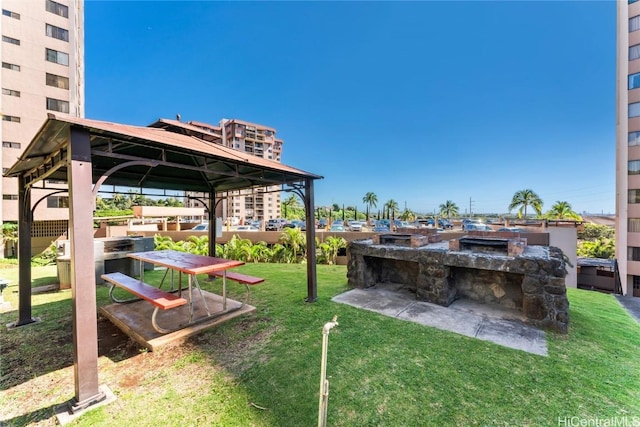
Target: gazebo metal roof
point(173, 161)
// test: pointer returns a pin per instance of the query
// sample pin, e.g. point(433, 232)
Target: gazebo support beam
point(24, 253)
point(83, 281)
point(211, 211)
point(312, 281)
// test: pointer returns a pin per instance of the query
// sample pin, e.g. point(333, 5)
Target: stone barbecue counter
point(532, 282)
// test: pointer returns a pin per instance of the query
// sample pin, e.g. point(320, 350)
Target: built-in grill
point(487, 244)
point(396, 239)
point(483, 244)
point(110, 255)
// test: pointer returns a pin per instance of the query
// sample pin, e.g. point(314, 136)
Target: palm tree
point(562, 210)
point(371, 200)
point(392, 208)
point(294, 239)
point(449, 209)
point(289, 202)
point(524, 198)
point(407, 215)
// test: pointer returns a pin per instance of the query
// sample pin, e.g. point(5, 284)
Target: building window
point(634, 24)
point(8, 144)
point(11, 40)
point(58, 202)
point(62, 34)
point(10, 14)
point(633, 225)
point(634, 196)
point(11, 119)
point(8, 66)
point(57, 8)
point(634, 138)
point(633, 253)
point(634, 109)
point(57, 57)
point(634, 81)
point(9, 197)
point(57, 105)
point(57, 81)
point(634, 52)
point(11, 92)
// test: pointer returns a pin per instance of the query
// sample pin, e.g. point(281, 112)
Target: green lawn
point(263, 369)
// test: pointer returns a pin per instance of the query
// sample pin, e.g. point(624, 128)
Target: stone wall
point(439, 275)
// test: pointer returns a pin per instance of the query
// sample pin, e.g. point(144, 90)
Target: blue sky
point(419, 102)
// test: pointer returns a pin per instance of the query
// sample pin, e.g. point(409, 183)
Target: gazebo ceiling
point(161, 159)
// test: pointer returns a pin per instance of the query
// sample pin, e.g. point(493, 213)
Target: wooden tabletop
point(185, 262)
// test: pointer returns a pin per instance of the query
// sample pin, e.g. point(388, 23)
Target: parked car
point(511, 229)
point(354, 225)
point(467, 221)
point(322, 224)
point(477, 227)
point(247, 228)
point(302, 225)
point(442, 223)
point(336, 226)
point(201, 227)
point(275, 224)
point(380, 228)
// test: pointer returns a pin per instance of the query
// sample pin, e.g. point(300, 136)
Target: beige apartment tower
point(251, 138)
point(628, 146)
point(42, 54)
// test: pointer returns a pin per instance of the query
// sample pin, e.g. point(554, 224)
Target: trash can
point(64, 271)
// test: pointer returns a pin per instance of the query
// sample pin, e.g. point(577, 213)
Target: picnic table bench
point(182, 262)
point(160, 299)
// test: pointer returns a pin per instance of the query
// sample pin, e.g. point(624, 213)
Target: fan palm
point(523, 199)
point(392, 208)
point(371, 200)
point(562, 210)
point(449, 209)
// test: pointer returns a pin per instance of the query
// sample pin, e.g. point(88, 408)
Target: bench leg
point(154, 322)
point(204, 300)
point(121, 301)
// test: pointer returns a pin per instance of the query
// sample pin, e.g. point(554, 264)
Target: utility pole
point(470, 204)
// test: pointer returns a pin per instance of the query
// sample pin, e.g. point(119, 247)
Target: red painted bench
point(239, 277)
point(159, 298)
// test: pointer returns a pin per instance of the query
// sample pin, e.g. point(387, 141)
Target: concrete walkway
point(632, 304)
point(482, 321)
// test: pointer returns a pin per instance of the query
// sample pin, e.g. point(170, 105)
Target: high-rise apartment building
point(257, 140)
point(42, 54)
point(628, 146)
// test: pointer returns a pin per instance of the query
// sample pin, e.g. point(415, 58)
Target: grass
point(263, 369)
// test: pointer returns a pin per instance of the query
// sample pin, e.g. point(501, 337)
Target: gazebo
point(88, 153)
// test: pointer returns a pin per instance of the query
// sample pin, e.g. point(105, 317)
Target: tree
point(294, 239)
point(290, 202)
point(392, 208)
point(562, 210)
point(449, 209)
point(524, 198)
point(596, 232)
point(407, 215)
point(371, 200)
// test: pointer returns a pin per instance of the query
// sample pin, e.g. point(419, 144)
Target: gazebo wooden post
point(83, 282)
point(24, 253)
point(312, 282)
point(212, 223)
